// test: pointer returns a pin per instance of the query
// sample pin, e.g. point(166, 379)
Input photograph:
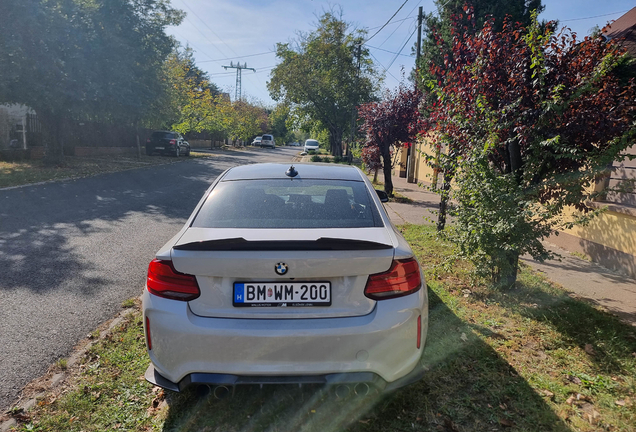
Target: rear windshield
point(288, 204)
point(268, 137)
point(160, 135)
point(311, 142)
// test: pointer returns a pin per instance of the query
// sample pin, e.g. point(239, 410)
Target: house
point(13, 125)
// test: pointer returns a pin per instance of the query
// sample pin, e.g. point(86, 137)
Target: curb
point(58, 378)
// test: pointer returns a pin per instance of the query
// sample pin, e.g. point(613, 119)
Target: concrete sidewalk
point(605, 288)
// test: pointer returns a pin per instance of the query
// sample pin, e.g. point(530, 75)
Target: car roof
point(305, 171)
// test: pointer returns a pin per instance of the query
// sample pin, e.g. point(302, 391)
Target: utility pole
point(239, 68)
point(410, 161)
point(355, 103)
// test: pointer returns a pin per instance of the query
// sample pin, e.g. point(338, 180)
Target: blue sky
point(246, 31)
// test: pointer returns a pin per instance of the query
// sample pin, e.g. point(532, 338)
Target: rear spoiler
point(323, 243)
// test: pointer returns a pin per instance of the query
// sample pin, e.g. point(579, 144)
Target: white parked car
point(268, 141)
point(311, 144)
point(286, 275)
point(257, 141)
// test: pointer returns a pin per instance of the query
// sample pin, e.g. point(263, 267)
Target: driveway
point(71, 252)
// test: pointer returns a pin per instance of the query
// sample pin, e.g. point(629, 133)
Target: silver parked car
point(311, 144)
point(286, 275)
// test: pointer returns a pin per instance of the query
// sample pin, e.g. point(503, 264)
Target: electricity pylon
point(239, 68)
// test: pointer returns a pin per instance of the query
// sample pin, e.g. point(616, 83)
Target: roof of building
point(624, 28)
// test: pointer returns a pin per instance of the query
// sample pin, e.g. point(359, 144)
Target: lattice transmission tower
point(239, 68)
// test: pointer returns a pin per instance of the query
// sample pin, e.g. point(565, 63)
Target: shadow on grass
point(613, 342)
point(468, 387)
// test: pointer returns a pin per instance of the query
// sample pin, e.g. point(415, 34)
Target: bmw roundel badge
point(281, 268)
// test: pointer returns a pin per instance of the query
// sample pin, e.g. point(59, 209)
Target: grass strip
point(36, 171)
point(528, 359)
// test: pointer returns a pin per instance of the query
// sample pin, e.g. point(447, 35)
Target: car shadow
point(468, 386)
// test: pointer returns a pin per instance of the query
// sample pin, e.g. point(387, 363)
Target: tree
point(388, 125)
point(84, 60)
point(451, 13)
point(320, 77)
point(532, 118)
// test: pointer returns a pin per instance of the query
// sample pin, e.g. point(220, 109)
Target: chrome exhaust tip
point(362, 389)
point(221, 392)
point(342, 391)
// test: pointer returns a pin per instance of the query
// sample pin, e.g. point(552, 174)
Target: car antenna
point(291, 172)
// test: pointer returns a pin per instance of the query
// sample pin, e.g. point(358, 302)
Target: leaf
point(589, 349)
point(464, 337)
point(506, 423)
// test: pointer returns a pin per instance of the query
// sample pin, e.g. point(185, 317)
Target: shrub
point(316, 158)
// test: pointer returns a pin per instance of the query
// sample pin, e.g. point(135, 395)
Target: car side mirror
point(382, 195)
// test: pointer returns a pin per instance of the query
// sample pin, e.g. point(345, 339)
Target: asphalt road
point(71, 252)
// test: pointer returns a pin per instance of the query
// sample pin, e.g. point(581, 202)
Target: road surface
point(71, 252)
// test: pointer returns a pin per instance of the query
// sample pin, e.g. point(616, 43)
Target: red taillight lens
point(173, 142)
point(148, 340)
point(401, 279)
point(164, 281)
point(147, 140)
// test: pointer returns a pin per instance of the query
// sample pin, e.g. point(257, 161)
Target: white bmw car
point(286, 275)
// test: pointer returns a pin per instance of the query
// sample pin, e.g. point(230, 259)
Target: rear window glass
point(311, 142)
point(268, 137)
point(160, 135)
point(288, 204)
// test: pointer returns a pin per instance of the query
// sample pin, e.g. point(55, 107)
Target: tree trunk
point(386, 169)
point(335, 141)
point(443, 202)
point(53, 141)
point(508, 269)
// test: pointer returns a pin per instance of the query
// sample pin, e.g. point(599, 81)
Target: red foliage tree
point(389, 124)
point(535, 116)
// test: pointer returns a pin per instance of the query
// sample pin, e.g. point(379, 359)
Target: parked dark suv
point(166, 142)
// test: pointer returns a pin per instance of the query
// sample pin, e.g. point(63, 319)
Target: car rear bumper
point(212, 379)
point(190, 349)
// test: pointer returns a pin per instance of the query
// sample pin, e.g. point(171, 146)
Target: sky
point(246, 31)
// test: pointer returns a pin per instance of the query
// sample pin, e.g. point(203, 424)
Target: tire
point(187, 153)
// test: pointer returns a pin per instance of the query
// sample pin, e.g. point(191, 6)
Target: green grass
point(528, 359)
point(26, 172)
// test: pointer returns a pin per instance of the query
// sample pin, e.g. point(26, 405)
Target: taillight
point(147, 140)
point(173, 142)
point(401, 279)
point(164, 281)
point(148, 340)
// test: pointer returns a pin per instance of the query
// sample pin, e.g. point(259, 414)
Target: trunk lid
point(344, 258)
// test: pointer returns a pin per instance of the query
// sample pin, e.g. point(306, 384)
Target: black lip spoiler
point(323, 243)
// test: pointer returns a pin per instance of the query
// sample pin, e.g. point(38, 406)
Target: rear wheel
point(187, 152)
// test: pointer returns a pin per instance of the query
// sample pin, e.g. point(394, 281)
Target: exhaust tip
point(221, 392)
point(361, 389)
point(342, 391)
point(203, 391)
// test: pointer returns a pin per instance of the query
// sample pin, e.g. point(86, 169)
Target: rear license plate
point(275, 294)
point(158, 148)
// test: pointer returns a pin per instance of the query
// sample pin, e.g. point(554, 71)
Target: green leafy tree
point(93, 60)
point(437, 27)
point(528, 119)
point(319, 77)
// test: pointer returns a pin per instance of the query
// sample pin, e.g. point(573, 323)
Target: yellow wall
point(612, 229)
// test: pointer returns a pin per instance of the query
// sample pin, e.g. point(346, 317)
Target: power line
point(385, 69)
point(385, 24)
point(240, 57)
point(399, 52)
point(391, 52)
point(596, 16)
point(394, 22)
